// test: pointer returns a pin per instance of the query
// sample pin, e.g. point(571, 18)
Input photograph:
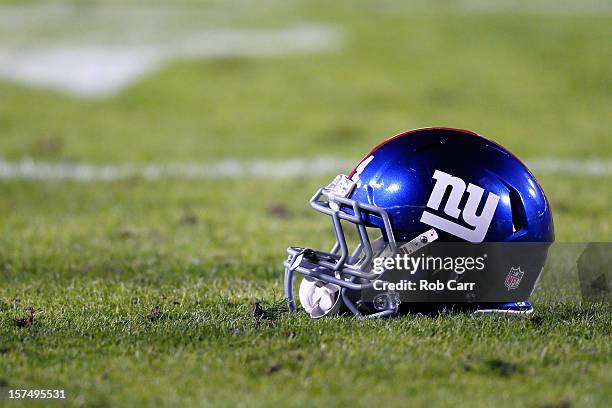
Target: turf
point(95, 261)
point(143, 291)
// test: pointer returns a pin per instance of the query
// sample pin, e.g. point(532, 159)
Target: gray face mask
point(331, 279)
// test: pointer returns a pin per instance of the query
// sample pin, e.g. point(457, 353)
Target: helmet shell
point(398, 176)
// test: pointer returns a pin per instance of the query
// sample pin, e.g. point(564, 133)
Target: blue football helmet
point(423, 185)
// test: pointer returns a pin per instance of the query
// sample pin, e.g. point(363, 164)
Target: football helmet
point(415, 188)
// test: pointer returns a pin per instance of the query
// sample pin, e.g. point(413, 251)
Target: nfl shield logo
point(514, 278)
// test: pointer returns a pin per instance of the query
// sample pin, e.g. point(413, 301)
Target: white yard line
point(588, 167)
point(232, 169)
point(85, 172)
point(538, 7)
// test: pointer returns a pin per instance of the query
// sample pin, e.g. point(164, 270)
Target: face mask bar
point(348, 271)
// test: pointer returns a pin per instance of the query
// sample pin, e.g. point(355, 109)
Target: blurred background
point(132, 81)
point(233, 90)
point(156, 159)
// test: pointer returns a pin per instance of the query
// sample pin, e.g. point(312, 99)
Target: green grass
point(96, 260)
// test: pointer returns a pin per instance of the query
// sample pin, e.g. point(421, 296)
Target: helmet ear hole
point(519, 218)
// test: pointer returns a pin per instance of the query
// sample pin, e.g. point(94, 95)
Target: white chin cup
point(319, 299)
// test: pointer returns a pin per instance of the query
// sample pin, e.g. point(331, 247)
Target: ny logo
point(480, 223)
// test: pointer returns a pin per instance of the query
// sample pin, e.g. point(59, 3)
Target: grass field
point(142, 290)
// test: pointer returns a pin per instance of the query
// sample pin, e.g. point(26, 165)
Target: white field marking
point(505, 7)
point(589, 167)
point(28, 169)
point(538, 7)
point(97, 70)
point(97, 51)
